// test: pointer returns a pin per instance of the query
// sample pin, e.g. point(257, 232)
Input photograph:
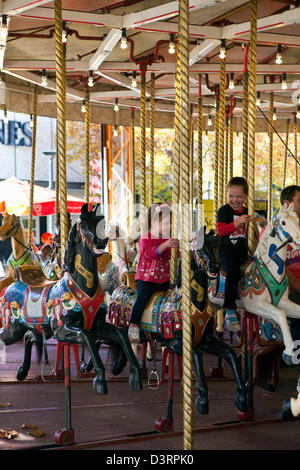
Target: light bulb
point(171, 44)
point(209, 121)
point(278, 59)
point(83, 107)
point(3, 30)
point(64, 33)
point(231, 83)
point(115, 132)
point(44, 78)
point(258, 99)
point(133, 81)
point(123, 44)
point(116, 106)
point(5, 118)
point(90, 80)
point(222, 53)
point(284, 83)
point(298, 112)
point(31, 121)
point(274, 115)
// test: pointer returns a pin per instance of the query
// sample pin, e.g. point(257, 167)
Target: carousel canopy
point(16, 196)
point(107, 39)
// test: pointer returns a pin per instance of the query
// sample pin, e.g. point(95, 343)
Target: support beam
point(105, 49)
point(201, 51)
point(209, 32)
point(15, 7)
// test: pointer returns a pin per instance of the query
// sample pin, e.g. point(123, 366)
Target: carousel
point(223, 66)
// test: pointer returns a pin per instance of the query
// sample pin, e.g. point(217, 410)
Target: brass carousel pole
point(61, 125)
point(216, 161)
point(221, 175)
point(270, 164)
point(252, 121)
point(296, 149)
point(192, 162)
point(33, 155)
point(176, 161)
point(185, 228)
point(226, 156)
point(286, 153)
point(200, 148)
point(87, 148)
point(133, 182)
point(152, 114)
point(230, 170)
point(245, 115)
point(143, 143)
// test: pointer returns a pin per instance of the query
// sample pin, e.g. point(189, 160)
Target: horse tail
point(117, 357)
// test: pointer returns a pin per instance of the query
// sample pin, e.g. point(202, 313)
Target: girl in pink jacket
point(153, 272)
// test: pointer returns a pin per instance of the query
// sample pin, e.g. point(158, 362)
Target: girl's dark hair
point(288, 193)
point(238, 181)
point(156, 212)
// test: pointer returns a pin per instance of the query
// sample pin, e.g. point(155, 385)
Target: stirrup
point(154, 372)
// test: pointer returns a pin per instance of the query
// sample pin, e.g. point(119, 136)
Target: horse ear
point(291, 207)
point(84, 208)
point(98, 210)
point(200, 238)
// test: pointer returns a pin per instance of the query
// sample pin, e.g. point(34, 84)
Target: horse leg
point(71, 334)
point(219, 348)
point(266, 309)
point(119, 336)
point(202, 399)
point(29, 339)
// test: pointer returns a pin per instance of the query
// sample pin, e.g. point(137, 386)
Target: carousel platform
point(32, 411)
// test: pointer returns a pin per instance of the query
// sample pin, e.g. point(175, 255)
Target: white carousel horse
point(124, 245)
point(264, 287)
point(263, 290)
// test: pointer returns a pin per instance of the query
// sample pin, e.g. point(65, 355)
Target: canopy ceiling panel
point(94, 31)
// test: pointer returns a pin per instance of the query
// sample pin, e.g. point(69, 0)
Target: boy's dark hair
point(288, 193)
point(238, 181)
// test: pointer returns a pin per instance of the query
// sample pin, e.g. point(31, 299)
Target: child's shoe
point(231, 321)
point(134, 333)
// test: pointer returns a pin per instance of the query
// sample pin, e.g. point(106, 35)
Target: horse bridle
point(14, 229)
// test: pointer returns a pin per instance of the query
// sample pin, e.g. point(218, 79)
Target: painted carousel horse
point(162, 319)
point(124, 245)
point(263, 290)
point(70, 308)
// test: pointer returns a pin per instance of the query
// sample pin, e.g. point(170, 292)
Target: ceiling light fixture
point(278, 59)
point(172, 44)
point(64, 33)
point(90, 80)
point(274, 115)
point(44, 78)
point(258, 98)
point(283, 82)
point(116, 106)
point(222, 53)
point(133, 81)
point(231, 83)
point(123, 44)
point(83, 107)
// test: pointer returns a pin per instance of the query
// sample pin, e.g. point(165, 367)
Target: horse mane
point(73, 238)
point(263, 242)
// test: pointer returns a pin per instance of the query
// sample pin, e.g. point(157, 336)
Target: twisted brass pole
point(230, 174)
point(252, 121)
point(296, 149)
point(176, 162)
point(226, 158)
point(143, 141)
point(185, 230)
point(216, 164)
point(133, 182)
point(200, 148)
point(270, 164)
point(245, 118)
point(221, 175)
point(192, 159)
point(286, 153)
point(87, 148)
point(32, 178)
point(152, 114)
point(61, 125)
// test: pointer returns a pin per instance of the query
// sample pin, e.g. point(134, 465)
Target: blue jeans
point(145, 290)
point(294, 322)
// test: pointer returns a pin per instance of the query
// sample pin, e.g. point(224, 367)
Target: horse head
point(285, 225)
point(206, 247)
point(10, 225)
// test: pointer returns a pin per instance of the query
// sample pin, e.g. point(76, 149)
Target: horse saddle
point(128, 278)
point(34, 278)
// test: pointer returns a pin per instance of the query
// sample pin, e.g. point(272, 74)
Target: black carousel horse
point(164, 320)
point(69, 309)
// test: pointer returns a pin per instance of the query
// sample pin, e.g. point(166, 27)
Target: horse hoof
point(21, 374)
point(286, 411)
point(287, 359)
point(99, 386)
point(135, 381)
point(240, 401)
point(202, 406)
point(247, 415)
